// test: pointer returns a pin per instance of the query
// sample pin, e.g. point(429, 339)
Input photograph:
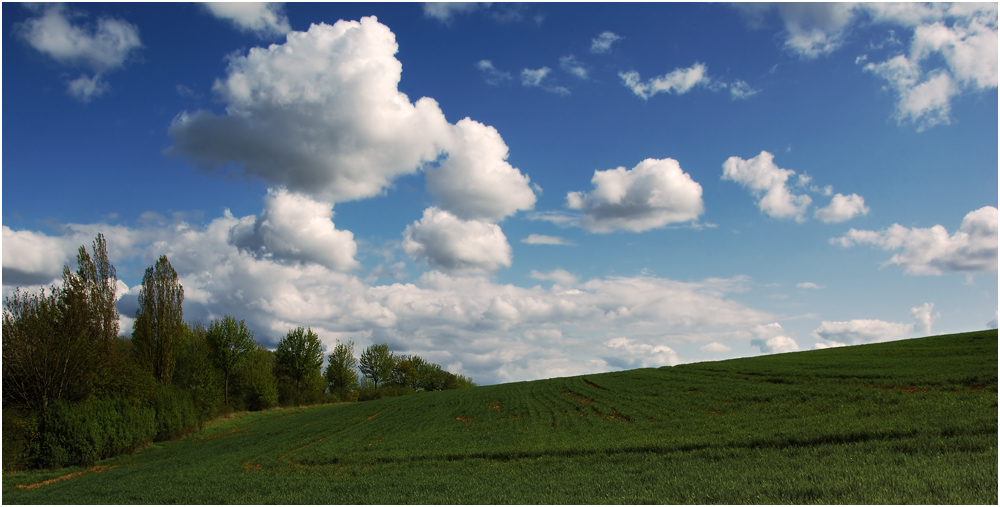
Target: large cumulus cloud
point(652, 194)
point(322, 115)
point(295, 228)
point(932, 251)
point(450, 243)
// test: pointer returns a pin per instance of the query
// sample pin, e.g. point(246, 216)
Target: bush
point(21, 440)
point(175, 413)
point(83, 433)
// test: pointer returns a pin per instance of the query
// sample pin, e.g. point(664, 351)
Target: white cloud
point(294, 228)
point(767, 181)
point(560, 218)
point(455, 245)
point(739, 89)
point(573, 66)
point(320, 114)
point(931, 251)
point(561, 277)
point(541, 239)
point(533, 79)
point(715, 348)
point(679, 81)
point(963, 36)
point(262, 18)
point(842, 208)
point(653, 194)
point(475, 181)
point(809, 285)
point(100, 49)
point(493, 332)
point(31, 258)
point(444, 11)
point(602, 43)
point(771, 339)
point(854, 332)
point(815, 29)
point(992, 324)
point(493, 76)
point(925, 319)
point(631, 354)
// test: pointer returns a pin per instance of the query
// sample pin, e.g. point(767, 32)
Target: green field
point(911, 421)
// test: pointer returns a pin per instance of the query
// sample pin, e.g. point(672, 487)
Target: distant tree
point(195, 372)
point(342, 369)
point(299, 354)
point(254, 384)
point(159, 320)
point(377, 363)
point(230, 342)
point(404, 372)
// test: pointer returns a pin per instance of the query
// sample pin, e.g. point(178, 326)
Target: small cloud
point(809, 285)
point(739, 89)
point(771, 339)
point(993, 323)
point(100, 49)
point(540, 239)
point(533, 79)
point(573, 66)
point(262, 19)
point(679, 81)
point(444, 11)
point(561, 277)
point(842, 208)
point(559, 218)
point(492, 75)
point(715, 348)
point(602, 43)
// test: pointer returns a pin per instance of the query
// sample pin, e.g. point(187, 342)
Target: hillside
point(911, 421)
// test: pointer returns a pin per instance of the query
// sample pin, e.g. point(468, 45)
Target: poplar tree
point(159, 320)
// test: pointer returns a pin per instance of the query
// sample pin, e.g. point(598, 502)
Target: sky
point(517, 191)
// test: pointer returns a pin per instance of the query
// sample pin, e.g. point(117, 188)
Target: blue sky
point(518, 191)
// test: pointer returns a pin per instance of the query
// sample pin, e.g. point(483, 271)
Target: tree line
point(76, 391)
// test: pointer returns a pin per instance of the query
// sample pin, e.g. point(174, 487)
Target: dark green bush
point(21, 440)
point(83, 433)
point(175, 413)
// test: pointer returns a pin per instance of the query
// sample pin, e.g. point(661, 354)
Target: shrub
point(83, 433)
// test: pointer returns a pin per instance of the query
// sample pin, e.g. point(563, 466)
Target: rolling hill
point(910, 421)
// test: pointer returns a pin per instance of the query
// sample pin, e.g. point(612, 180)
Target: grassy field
point(912, 421)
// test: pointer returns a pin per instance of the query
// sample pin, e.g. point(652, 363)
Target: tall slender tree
point(231, 342)
point(299, 354)
point(159, 320)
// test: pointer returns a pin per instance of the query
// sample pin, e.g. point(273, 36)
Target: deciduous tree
point(299, 354)
point(342, 369)
point(376, 364)
point(231, 342)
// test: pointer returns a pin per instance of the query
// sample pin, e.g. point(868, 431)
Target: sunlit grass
point(912, 421)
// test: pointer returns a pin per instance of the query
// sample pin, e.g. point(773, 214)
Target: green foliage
point(62, 345)
point(159, 320)
point(905, 422)
point(83, 433)
point(196, 373)
point(342, 371)
point(376, 364)
point(176, 414)
point(230, 342)
point(299, 355)
point(254, 384)
point(21, 439)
